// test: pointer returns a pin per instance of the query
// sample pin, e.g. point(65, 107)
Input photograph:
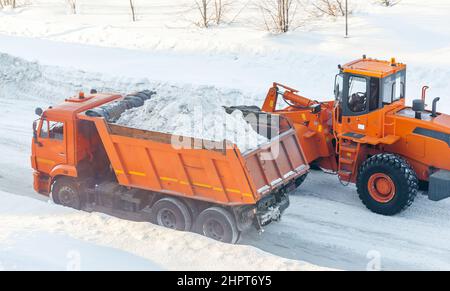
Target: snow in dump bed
point(35, 235)
point(200, 116)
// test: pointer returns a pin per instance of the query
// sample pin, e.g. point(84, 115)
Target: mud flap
point(439, 187)
point(273, 211)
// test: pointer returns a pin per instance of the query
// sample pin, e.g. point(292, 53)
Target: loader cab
point(368, 85)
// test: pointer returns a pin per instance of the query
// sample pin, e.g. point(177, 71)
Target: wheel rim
point(381, 188)
point(214, 229)
point(167, 218)
point(67, 196)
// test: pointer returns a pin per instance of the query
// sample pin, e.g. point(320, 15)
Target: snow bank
point(200, 116)
point(38, 235)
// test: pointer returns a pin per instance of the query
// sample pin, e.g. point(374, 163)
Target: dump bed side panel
point(147, 160)
point(277, 163)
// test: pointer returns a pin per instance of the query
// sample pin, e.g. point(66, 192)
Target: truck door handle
point(62, 154)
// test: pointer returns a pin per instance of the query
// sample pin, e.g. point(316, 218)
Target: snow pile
point(38, 236)
point(198, 116)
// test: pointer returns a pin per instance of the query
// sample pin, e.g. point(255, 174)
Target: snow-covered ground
point(326, 224)
point(39, 236)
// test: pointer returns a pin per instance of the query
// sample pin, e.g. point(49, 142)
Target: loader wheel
point(171, 213)
point(387, 184)
point(217, 223)
point(66, 193)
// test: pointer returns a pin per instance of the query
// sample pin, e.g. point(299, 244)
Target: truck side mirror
point(38, 111)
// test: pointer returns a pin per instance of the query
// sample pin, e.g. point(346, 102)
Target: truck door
point(50, 145)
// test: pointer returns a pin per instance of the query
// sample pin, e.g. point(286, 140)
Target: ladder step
point(348, 148)
point(346, 161)
point(345, 174)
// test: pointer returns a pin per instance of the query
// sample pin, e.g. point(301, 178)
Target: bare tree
point(279, 15)
point(330, 7)
point(389, 3)
point(10, 3)
point(211, 11)
point(73, 6)
point(133, 11)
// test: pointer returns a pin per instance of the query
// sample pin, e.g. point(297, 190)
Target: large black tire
point(171, 213)
point(217, 223)
point(66, 192)
point(387, 184)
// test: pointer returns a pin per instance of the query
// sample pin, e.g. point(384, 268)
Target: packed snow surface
point(35, 235)
point(199, 116)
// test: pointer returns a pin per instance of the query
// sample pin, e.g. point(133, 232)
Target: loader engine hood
point(425, 124)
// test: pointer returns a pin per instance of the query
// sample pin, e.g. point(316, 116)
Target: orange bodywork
point(149, 161)
point(373, 67)
point(390, 129)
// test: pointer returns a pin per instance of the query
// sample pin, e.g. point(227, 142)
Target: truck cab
point(62, 143)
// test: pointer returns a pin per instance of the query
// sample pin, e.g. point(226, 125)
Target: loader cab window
point(394, 87)
point(339, 87)
point(357, 94)
point(374, 100)
point(52, 130)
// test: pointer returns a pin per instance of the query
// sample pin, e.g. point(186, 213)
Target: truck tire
point(387, 184)
point(171, 213)
point(66, 192)
point(217, 223)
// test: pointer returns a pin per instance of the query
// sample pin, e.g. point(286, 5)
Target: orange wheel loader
point(369, 137)
point(86, 161)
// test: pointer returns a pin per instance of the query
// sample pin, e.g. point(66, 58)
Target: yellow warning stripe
point(45, 161)
point(137, 173)
point(202, 185)
point(168, 179)
point(134, 173)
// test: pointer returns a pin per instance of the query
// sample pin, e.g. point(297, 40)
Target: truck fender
point(64, 170)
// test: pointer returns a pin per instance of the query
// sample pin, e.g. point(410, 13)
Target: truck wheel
point(387, 184)
point(217, 223)
point(171, 213)
point(65, 192)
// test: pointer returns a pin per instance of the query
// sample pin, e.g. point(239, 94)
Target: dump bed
point(148, 160)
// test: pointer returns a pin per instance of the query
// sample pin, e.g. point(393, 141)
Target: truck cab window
point(357, 96)
point(52, 130)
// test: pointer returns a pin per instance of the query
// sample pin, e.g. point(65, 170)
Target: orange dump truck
point(87, 162)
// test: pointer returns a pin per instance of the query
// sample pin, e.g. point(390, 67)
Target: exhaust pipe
point(434, 110)
point(424, 93)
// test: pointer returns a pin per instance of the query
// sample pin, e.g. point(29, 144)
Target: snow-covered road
point(325, 224)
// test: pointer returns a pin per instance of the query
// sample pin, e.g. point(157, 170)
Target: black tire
point(66, 192)
point(219, 224)
point(171, 213)
point(399, 174)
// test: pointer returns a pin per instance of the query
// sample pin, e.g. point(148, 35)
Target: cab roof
point(373, 68)
point(72, 106)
